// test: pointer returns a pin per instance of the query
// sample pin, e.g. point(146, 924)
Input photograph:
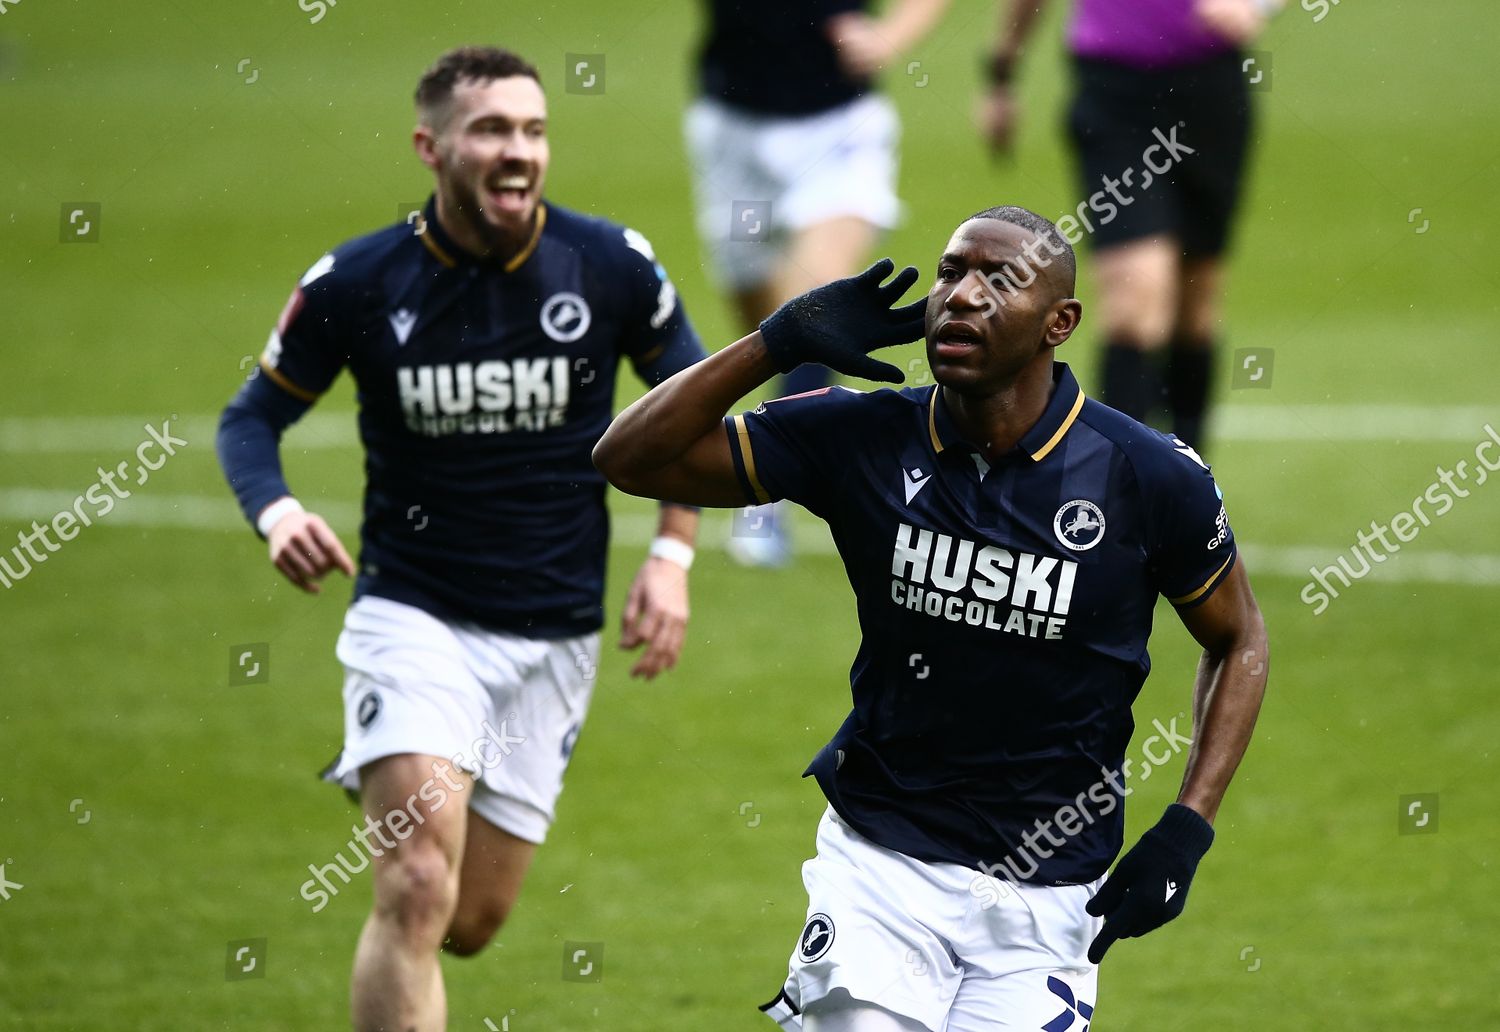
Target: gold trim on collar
point(438, 252)
point(1041, 453)
point(536, 238)
point(937, 445)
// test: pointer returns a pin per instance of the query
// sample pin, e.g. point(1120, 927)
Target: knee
point(472, 928)
point(418, 889)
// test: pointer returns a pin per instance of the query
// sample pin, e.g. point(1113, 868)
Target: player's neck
point(487, 246)
point(995, 422)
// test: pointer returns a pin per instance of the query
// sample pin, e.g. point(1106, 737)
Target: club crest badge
point(817, 937)
point(1079, 525)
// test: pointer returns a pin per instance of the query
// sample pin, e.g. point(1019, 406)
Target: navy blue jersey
point(482, 388)
point(774, 57)
point(1004, 611)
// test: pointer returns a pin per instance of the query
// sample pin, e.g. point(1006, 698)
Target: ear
point(424, 142)
point(1062, 319)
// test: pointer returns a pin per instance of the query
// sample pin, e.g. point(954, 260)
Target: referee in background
point(1159, 263)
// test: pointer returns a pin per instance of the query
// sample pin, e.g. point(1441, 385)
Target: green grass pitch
point(152, 813)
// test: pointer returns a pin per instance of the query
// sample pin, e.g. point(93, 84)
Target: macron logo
point(1171, 891)
point(914, 482)
point(402, 321)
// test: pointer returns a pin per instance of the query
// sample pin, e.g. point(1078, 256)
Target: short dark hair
point(473, 64)
point(1044, 229)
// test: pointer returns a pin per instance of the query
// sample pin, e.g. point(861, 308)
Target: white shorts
point(760, 178)
point(505, 708)
point(918, 940)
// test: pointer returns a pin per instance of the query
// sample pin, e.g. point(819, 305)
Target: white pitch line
point(1270, 422)
point(19, 506)
point(320, 431)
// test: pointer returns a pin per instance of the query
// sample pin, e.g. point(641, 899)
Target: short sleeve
point(1193, 547)
point(307, 348)
point(654, 320)
point(796, 448)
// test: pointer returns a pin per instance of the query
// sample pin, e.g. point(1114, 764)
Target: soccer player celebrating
point(1172, 70)
point(794, 159)
point(485, 341)
point(1006, 539)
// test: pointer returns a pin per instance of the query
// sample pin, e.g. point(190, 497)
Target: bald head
point(1054, 259)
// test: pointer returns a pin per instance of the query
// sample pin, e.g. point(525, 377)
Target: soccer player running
point(794, 158)
point(1161, 222)
point(485, 341)
point(1006, 539)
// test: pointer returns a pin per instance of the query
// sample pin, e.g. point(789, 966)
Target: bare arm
point(999, 112)
point(1017, 17)
point(867, 45)
point(671, 444)
point(1149, 886)
point(1227, 694)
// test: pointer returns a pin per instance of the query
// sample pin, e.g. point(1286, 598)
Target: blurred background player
point(794, 161)
point(485, 347)
point(1159, 262)
point(1006, 539)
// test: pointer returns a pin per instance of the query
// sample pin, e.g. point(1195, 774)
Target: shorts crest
point(817, 937)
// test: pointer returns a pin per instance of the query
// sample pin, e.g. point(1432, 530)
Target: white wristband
point(673, 551)
point(272, 514)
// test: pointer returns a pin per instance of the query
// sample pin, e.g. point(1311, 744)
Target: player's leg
point(1216, 106)
point(752, 303)
point(397, 982)
point(738, 216)
point(873, 935)
point(494, 867)
point(827, 250)
point(1024, 955)
point(411, 704)
point(838, 173)
point(1135, 290)
point(538, 697)
point(734, 199)
point(1025, 1000)
point(1132, 216)
point(1191, 360)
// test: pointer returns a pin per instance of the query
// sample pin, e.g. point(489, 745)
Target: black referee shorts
point(1120, 113)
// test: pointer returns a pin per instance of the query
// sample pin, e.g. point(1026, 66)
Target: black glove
point(838, 323)
point(1149, 885)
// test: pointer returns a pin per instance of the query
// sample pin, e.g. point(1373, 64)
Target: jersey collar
point(1038, 442)
point(446, 251)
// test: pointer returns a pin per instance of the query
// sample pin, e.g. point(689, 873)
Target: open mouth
point(956, 338)
point(508, 194)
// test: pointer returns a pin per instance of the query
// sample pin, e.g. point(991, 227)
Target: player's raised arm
point(671, 444)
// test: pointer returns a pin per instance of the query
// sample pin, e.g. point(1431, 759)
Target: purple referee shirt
point(1141, 33)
